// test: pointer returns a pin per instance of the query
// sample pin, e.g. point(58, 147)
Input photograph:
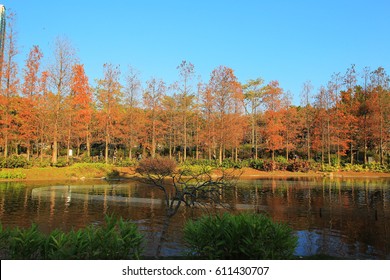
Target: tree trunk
point(6, 144)
point(88, 144)
point(130, 150)
point(28, 150)
point(106, 148)
point(220, 153)
point(153, 151)
point(308, 144)
point(185, 136)
point(55, 149)
point(253, 135)
point(78, 147)
point(381, 138)
point(328, 140)
point(41, 141)
point(287, 142)
point(351, 152)
point(6, 130)
point(55, 136)
point(68, 142)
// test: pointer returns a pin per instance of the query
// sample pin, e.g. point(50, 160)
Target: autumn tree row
point(45, 111)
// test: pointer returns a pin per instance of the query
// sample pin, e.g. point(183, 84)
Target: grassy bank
point(79, 171)
point(84, 171)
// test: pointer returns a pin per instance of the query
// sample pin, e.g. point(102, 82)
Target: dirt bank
point(253, 173)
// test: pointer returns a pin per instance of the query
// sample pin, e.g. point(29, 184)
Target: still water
point(347, 218)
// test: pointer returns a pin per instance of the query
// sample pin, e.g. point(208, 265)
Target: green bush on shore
point(191, 165)
point(14, 162)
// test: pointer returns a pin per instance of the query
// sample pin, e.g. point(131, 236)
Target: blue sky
point(288, 41)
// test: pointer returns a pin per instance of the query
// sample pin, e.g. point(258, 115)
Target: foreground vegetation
point(246, 236)
point(116, 239)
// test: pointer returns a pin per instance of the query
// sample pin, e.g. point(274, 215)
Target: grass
point(12, 174)
point(75, 171)
point(90, 170)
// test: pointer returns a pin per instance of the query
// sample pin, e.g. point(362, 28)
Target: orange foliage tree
point(274, 127)
point(80, 109)
point(224, 103)
point(28, 114)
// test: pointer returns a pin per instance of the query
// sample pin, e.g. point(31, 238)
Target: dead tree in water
point(200, 187)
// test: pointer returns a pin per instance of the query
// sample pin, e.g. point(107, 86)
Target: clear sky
point(288, 41)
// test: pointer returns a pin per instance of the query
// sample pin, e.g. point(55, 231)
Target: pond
point(346, 218)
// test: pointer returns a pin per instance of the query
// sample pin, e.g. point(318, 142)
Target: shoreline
point(128, 173)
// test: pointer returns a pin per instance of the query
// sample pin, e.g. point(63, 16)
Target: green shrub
point(116, 239)
point(186, 169)
point(329, 168)
point(354, 167)
point(61, 162)
point(281, 163)
point(281, 159)
point(334, 159)
point(257, 164)
point(22, 244)
point(126, 163)
point(229, 163)
point(14, 162)
point(377, 167)
point(245, 236)
point(202, 162)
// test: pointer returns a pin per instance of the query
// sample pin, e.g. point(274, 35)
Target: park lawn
point(88, 172)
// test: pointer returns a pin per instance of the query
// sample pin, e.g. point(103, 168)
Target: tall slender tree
point(227, 98)
point(152, 98)
point(186, 98)
point(31, 89)
point(80, 109)
point(109, 97)
point(273, 118)
point(306, 96)
point(380, 100)
point(253, 93)
point(59, 82)
point(133, 119)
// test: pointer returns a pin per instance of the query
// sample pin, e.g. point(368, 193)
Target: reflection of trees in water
point(346, 214)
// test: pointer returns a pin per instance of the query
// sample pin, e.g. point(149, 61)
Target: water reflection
point(347, 218)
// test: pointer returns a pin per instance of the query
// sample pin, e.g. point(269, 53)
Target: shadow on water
point(346, 218)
